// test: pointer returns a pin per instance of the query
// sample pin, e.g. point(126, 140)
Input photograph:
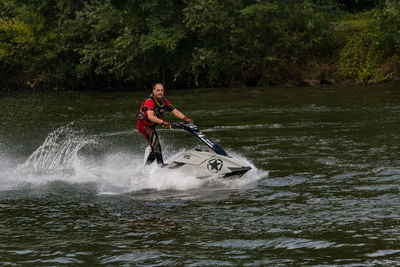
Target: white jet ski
point(206, 163)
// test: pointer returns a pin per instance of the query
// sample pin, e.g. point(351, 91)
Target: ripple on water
point(381, 253)
point(57, 260)
point(283, 181)
point(275, 243)
point(136, 256)
point(278, 195)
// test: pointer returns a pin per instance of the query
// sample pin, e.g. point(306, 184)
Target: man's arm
point(178, 114)
point(152, 117)
point(181, 116)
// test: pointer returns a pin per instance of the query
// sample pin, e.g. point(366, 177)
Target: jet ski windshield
point(192, 128)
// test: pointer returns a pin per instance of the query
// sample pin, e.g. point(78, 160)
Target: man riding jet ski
point(150, 115)
point(202, 163)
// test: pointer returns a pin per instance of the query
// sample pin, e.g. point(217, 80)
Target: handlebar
point(192, 128)
point(185, 126)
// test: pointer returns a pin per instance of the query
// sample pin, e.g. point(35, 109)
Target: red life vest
point(158, 106)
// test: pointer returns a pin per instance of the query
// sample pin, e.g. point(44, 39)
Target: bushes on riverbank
point(370, 52)
point(102, 43)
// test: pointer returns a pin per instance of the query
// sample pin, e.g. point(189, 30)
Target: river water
point(323, 189)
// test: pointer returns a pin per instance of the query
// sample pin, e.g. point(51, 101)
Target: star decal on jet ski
point(214, 165)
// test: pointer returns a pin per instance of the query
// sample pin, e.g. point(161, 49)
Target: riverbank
point(321, 77)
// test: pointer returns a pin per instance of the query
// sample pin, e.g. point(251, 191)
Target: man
point(150, 115)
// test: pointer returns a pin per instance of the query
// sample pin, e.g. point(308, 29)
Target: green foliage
point(97, 43)
point(211, 21)
point(360, 5)
point(388, 28)
point(255, 38)
point(360, 58)
point(124, 43)
point(254, 42)
point(27, 45)
point(376, 41)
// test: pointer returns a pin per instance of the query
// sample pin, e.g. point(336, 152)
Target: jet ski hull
point(204, 164)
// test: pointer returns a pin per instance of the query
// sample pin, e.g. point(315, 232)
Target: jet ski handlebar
point(192, 128)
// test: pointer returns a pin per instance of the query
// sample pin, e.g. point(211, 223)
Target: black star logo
point(214, 165)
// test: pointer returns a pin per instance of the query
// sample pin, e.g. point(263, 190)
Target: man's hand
point(166, 125)
point(188, 120)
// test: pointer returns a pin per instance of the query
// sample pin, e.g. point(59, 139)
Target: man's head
point(158, 90)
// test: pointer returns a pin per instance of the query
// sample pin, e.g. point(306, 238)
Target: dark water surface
point(324, 189)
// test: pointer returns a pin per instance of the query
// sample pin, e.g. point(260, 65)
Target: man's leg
point(151, 136)
point(150, 158)
point(147, 132)
point(156, 147)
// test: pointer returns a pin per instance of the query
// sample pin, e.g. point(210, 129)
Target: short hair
point(154, 86)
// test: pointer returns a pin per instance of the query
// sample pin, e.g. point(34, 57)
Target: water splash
point(58, 152)
point(59, 159)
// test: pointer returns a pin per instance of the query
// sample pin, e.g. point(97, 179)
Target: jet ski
point(208, 162)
